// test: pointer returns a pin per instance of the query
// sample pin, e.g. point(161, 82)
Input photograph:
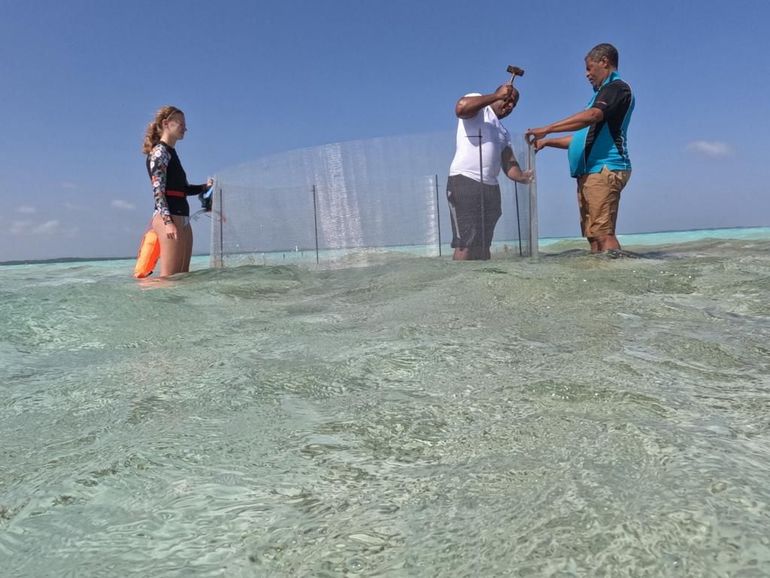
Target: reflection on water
point(575, 416)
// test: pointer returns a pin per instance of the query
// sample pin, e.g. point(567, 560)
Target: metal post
point(315, 219)
point(213, 235)
point(438, 215)
point(533, 222)
point(518, 222)
point(222, 226)
point(483, 215)
point(217, 256)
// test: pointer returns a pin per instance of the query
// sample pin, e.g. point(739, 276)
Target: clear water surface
point(574, 416)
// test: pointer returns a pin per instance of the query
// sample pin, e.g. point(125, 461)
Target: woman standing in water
point(171, 218)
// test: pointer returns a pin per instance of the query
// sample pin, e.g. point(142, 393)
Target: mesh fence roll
point(343, 203)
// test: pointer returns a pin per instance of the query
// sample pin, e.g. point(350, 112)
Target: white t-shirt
point(494, 138)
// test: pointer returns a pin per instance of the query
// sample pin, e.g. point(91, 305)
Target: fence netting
point(344, 203)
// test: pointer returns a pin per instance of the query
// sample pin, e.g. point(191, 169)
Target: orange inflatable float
point(149, 252)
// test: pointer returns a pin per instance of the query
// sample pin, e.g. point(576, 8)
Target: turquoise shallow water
point(577, 415)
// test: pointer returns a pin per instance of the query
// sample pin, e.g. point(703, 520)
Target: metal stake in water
point(481, 189)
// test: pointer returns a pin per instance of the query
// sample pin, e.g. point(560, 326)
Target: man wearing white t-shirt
point(483, 148)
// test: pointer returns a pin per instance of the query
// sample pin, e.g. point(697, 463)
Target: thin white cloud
point(48, 228)
point(26, 210)
point(710, 148)
point(74, 207)
point(52, 228)
point(19, 227)
point(122, 205)
point(68, 185)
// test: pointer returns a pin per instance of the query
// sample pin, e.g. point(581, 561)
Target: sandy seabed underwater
point(571, 416)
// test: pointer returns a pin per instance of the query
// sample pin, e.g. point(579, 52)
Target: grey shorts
point(474, 209)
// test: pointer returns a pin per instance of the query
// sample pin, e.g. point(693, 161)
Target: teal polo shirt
point(604, 144)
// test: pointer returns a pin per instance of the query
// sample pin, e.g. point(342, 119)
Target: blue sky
point(81, 79)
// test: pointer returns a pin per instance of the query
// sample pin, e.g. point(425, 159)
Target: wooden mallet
point(515, 71)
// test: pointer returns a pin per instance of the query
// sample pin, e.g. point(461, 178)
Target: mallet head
point(514, 71)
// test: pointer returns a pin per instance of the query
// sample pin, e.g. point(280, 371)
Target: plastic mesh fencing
point(343, 203)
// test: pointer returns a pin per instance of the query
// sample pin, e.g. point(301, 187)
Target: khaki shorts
point(598, 199)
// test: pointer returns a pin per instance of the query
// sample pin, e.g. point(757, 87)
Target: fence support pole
point(534, 233)
point(315, 220)
point(518, 221)
point(483, 215)
point(217, 258)
point(438, 215)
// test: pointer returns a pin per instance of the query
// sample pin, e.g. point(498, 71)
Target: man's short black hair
point(604, 51)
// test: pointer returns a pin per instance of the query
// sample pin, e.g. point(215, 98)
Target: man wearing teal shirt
point(597, 151)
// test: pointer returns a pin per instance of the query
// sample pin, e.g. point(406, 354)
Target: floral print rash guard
point(169, 183)
point(158, 161)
